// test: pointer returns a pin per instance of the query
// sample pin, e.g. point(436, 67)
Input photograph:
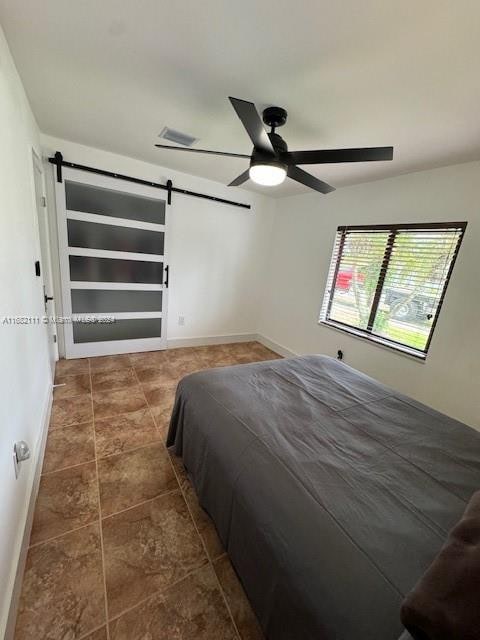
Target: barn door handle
point(165, 283)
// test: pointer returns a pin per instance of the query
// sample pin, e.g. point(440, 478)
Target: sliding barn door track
point(59, 162)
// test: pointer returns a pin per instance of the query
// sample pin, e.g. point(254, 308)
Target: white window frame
point(367, 334)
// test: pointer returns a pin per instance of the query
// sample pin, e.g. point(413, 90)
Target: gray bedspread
point(331, 492)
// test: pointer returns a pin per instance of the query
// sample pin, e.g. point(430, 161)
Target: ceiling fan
point(271, 161)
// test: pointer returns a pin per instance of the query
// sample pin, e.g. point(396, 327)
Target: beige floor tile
point(160, 396)
point(114, 403)
point(133, 477)
point(221, 356)
point(99, 634)
point(124, 432)
point(75, 410)
point(242, 612)
point(69, 446)
point(118, 379)
point(71, 367)
point(241, 347)
point(183, 355)
point(203, 352)
point(165, 388)
point(163, 426)
point(161, 401)
point(264, 352)
point(161, 375)
point(148, 548)
point(62, 594)
point(67, 499)
point(244, 352)
point(148, 359)
point(193, 609)
point(75, 385)
point(215, 355)
point(185, 368)
point(109, 363)
point(248, 359)
point(162, 418)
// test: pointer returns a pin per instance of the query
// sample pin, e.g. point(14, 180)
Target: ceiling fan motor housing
point(278, 143)
point(263, 157)
point(274, 116)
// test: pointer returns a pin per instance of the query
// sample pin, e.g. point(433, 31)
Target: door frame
point(108, 347)
point(46, 266)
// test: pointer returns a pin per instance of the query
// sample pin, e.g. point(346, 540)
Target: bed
point(331, 492)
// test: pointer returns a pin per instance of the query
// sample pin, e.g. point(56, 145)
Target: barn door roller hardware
point(59, 162)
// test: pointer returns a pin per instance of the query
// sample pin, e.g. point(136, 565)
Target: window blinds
point(389, 282)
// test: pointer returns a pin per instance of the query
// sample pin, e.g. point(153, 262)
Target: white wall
point(300, 252)
point(24, 372)
point(235, 272)
point(217, 252)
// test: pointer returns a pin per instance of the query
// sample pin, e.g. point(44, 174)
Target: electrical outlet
point(181, 320)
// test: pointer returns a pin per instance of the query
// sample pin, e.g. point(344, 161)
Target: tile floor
point(120, 548)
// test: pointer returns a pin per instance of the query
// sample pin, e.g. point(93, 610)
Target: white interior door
point(113, 249)
point(45, 259)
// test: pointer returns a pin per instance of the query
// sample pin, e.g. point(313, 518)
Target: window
point(387, 283)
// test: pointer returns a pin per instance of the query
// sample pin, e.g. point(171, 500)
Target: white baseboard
point(22, 554)
point(274, 346)
point(201, 341)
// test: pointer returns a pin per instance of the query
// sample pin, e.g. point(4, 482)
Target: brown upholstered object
point(445, 603)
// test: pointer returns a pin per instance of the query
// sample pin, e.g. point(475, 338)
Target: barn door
point(112, 240)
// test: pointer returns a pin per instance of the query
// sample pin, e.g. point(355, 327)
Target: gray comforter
point(331, 492)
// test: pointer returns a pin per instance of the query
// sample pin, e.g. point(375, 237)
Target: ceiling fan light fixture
point(268, 175)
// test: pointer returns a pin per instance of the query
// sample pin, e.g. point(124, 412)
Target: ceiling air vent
point(177, 136)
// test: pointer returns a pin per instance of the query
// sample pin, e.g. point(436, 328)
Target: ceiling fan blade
point(243, 177)
point(324, 156)
point(248, 114)
point(295, 173)
point(215, 153)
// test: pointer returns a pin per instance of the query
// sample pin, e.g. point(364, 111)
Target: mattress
point(331, 492)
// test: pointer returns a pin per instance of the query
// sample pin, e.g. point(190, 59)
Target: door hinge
point(44, 201)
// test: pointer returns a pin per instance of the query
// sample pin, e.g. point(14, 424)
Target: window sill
point(381, 342)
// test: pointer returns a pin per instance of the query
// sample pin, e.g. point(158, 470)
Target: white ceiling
point(112, 73)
